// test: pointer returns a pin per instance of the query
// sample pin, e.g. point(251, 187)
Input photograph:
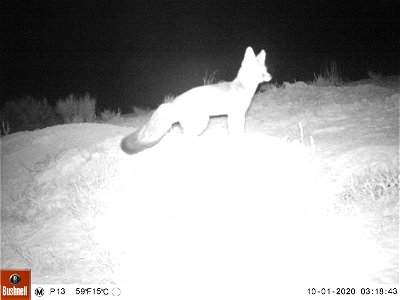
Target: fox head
point(253, 70)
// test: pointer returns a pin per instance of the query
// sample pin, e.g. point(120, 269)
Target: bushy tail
point(151, 132)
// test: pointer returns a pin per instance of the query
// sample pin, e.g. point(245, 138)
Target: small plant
point(373, 75)
point(77, 110)
point(107, 114)
point(5, 127)
point(140, 110)
point(330, 76)
point(168, 98)
point(207, 80)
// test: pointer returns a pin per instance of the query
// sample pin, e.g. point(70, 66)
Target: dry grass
point(210, 79)
point(169, 98)
point(329, 76)
point(138, 110)
point(375, 192)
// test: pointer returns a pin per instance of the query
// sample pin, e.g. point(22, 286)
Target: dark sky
point(135, 52)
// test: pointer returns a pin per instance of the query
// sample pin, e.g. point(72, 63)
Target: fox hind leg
point(236, 122)
point(194, 124)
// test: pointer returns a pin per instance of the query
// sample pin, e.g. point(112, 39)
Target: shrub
point(27, 114)
point(77, 110)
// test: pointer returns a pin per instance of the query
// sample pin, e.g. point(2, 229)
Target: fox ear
point(261, 57)
point(249, 54)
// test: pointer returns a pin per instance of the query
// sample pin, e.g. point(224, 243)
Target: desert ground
point(308, 197)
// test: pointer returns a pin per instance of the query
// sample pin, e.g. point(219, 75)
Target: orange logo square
point(15, 284)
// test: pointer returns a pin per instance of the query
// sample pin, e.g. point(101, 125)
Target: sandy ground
point(212, 217)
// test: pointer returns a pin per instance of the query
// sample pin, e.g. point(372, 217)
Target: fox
point(193, 109)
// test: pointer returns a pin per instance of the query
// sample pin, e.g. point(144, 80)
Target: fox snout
point(266, 76)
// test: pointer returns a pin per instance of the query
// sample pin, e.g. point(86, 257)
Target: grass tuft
point(138, 110)
point(210, 79)
point(108, 114)
point(329, 76)
point(169, 98)
point(376, 192)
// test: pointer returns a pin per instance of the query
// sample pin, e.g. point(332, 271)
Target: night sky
point(136, 52)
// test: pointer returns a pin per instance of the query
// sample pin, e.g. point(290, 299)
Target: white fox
point(193, 108)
